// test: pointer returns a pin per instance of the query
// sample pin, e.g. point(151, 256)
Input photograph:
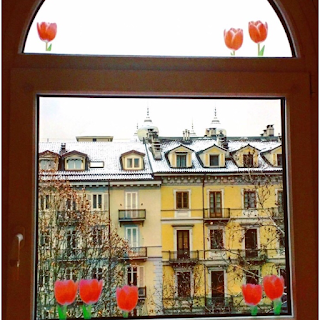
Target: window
point(251, 243)
point(45, 202)
point(132, 236)
point(279, 202)
point(70, 274)
point(71, 241)
point(182, 200)
point(47, 164)
point(252, 276)
point(97, 273)
point(181, 160)
point(248, 160)
point(129, 163)
point(214, 160)
point(184, 284)
point(217, 284)
point(216, 239)
point(136, 162)
point(74, 164)
point(225, 70)
point(97, 236)
point(96, 201)
point(215, 204)
point(250, 201)
point(279, 160)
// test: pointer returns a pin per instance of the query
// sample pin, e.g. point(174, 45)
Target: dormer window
point(248, 160)
point(133, 163)
point(47, 164)
point(279, 160)
point(132, 160)
point(214, 160)
point(74, 164)
point(181, 160)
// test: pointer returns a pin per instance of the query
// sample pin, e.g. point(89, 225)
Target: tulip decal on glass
point(127, 299)
point(252, 294)
point(233, 39)
point(258, 32)
point(65, 293)
point(47, 32)
point(273, 287)
point(90, 291)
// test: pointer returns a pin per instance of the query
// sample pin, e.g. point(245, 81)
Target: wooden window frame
point(25, 76)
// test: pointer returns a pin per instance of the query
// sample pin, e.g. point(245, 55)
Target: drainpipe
point(204, 241)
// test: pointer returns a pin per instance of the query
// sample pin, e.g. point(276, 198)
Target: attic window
point(181, 160)
point(47, 164)
point(248, 160)
point(279, 160)
point(74, 164)
point(214, 160)
point(133, 163)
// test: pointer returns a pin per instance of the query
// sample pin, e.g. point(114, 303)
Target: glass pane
point(217, 238)
point(195, 28)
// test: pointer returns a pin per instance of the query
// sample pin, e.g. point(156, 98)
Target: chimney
point(186, 135)
point(63, 149)
point(270, 130)
point(155, 145)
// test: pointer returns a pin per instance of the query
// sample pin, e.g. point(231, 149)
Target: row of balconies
point(215, 305)
point(181, 257)
point(209, 215)
point(173, 257)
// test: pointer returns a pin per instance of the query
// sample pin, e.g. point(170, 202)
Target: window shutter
point(89, 198)
point(141, 276)
point(105, 202)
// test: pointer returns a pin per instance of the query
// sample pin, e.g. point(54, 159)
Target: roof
point(110, 153)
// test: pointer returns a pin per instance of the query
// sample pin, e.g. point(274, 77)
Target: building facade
point(199, 216)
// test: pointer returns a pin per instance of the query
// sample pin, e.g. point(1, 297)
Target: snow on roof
point(110, 153)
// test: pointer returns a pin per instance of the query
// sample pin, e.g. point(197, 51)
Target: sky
point(62, 119)
point(155, 27)
point(162, 28)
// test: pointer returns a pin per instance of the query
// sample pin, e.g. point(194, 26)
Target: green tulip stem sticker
point(86, 311)
point(277, 304)
point(62, 311)
point(125, 314)
point(260, 50)
point(254, 310)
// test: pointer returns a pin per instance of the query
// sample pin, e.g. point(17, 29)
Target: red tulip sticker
point(252, 294)
point(47, 32)
point(127, 299)
point(65, 293)
point(233, 39)
point(258, 32)
point(274, 287)
point(90, 291)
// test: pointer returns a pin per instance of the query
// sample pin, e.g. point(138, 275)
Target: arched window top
point(192, 28)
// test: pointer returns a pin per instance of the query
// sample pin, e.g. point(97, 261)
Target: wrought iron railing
point(137, 253)
point(183, 256)
point(132, 214)
point(219, 304)
point(216, 213)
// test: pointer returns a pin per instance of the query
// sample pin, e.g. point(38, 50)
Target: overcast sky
point(156, 27)
point(62, 119)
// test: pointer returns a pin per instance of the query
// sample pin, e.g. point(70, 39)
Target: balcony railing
point(211, 214)
point(219, 304)
point(183, 256)
point(132, 215)
point(137, 253)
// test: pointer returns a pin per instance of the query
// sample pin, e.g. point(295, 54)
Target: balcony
point(277, 213)
point(219, 304)
point(132, 215)
point(213, 216)
point(70, 254)
point(137, 253)
point(68, 218)
point(182, 257)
